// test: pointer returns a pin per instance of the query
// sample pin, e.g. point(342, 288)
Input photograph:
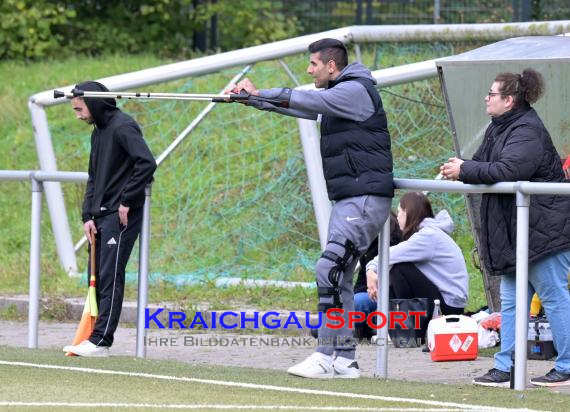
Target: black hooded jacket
point(120, 163)
point(517, 147)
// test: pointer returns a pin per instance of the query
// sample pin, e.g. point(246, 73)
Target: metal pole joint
point(523, 199)
point(37, 185)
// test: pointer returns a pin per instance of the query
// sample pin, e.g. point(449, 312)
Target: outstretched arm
point(280, 95)
point(347, 100)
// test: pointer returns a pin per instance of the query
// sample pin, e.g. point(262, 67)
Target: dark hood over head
point(100, 108)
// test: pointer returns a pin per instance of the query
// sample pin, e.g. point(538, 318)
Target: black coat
point(517, 147)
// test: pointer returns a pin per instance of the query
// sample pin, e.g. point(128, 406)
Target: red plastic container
point(452, 338)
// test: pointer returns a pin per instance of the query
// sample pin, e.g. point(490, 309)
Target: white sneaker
point(316, 366)
point(346, 368)
point(88, 350)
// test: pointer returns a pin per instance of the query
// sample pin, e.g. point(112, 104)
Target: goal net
point(232, 201)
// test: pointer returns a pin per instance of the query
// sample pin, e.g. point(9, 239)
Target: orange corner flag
point(86, 325)
point(90, 310)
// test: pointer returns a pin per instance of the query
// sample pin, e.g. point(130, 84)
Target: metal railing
point(37, 178)
point(319, 15)
point(522, 191)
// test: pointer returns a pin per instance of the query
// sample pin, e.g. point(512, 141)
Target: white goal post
point(355, 34)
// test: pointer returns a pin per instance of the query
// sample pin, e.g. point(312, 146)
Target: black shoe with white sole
point(494, 377)
point(552, 378)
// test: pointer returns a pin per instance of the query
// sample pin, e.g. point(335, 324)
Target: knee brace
point(342, 254)
point(329, 298)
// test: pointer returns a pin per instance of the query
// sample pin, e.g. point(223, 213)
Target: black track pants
point(114, 243)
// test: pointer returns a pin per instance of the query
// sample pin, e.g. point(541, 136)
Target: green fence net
point(233, 199)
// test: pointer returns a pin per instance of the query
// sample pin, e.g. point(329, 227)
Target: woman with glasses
point(517, 147)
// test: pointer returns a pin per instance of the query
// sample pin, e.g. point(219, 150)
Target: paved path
point(263, 351)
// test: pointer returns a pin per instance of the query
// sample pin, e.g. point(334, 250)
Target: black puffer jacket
point(517, 147)
point(357, 156)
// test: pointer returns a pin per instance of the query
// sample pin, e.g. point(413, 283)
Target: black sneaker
point(494, 377)
point(552, 378)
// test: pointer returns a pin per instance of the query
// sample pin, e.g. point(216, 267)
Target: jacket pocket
point(351, 164)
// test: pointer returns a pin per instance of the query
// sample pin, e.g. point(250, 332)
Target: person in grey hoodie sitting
point(427, 263)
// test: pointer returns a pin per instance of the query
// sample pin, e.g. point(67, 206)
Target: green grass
point(11, 312)
point(20, 81)
point(205, 243)
point(208, 385)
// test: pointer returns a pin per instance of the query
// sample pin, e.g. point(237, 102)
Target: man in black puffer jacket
point(517, 147)
point(120, 166)
point(357, 165)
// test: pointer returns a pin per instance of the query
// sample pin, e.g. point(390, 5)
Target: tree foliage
point(32, 29)
point(28, 29)
point(251, 22)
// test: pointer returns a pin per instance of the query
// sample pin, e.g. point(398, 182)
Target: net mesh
point(233, 198)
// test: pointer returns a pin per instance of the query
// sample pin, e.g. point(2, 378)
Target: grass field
point(46, 380)
point(18, 152)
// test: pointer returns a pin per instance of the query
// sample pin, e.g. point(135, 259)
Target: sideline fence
point(522, 190)
point(37, 178)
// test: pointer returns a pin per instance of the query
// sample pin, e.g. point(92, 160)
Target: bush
point(34, 29)
point(161, 26)
point(29, 29)
point(253, 22)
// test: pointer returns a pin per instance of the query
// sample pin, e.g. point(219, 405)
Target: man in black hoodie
point(120, 166)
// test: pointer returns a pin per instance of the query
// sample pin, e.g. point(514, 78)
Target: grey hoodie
point(437, 256)
point(347, 100)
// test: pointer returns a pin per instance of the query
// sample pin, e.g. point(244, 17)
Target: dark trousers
point(114, 243)
point(407, 282)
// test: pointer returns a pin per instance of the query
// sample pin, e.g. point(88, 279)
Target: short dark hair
point(330, 49)
point(526, 87)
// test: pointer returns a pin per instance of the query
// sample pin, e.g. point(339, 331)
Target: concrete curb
point(71, 309)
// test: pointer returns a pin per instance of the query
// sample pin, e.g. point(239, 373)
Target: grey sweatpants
point(358, 219)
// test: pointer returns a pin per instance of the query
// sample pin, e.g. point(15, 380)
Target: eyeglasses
point(491, 94)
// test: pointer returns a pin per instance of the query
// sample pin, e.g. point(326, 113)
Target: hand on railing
point(451, 169)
